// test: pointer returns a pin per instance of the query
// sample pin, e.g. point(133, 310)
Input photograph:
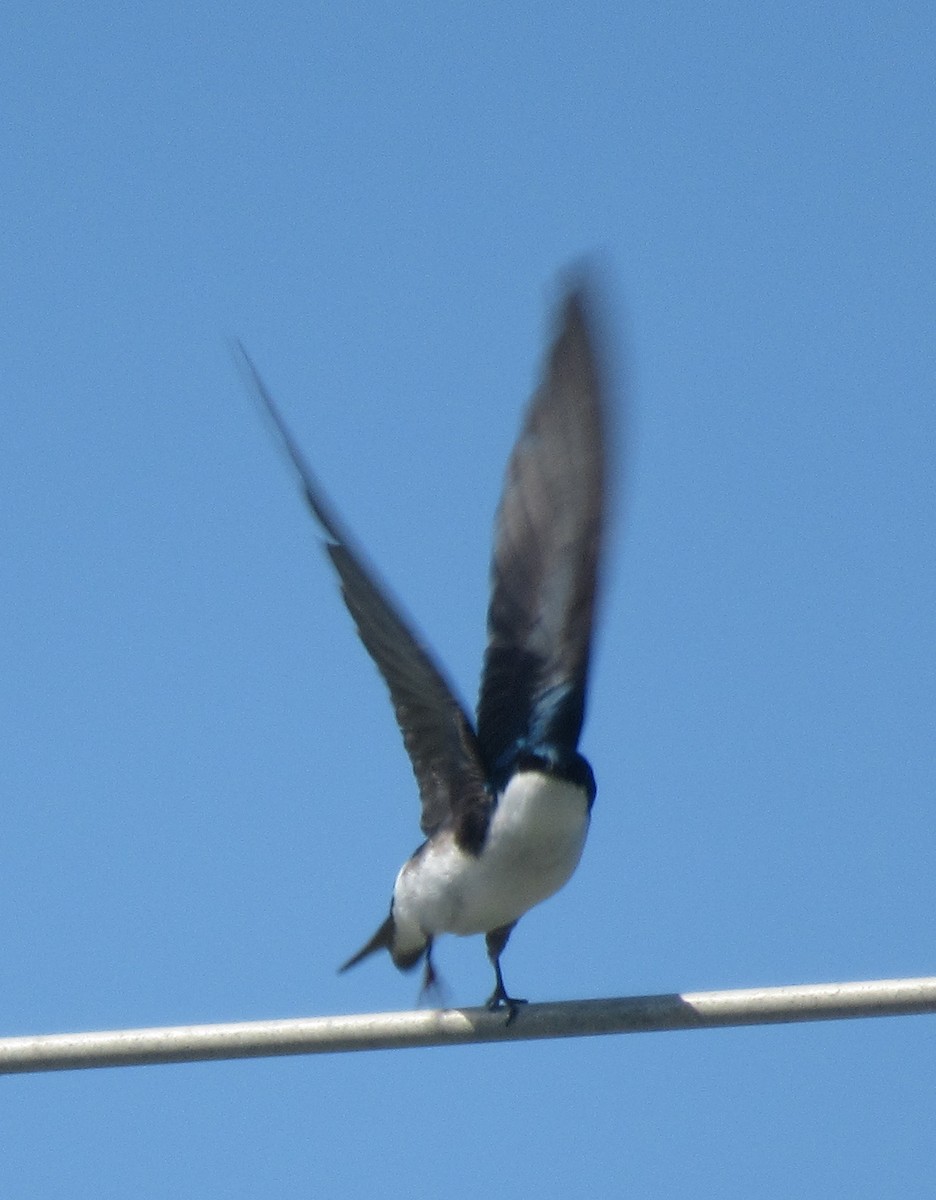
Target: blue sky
point(379, 202)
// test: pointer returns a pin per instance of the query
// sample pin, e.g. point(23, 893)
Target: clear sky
point(204, 795)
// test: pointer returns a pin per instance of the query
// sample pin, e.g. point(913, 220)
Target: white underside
point(534, 843)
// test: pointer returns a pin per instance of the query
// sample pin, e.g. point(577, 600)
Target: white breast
point(533, 845)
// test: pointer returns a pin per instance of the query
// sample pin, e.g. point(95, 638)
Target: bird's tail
point(383, 939)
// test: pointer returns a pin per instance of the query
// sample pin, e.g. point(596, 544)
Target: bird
point(506, 801)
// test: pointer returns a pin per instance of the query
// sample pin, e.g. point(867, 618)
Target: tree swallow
point(505, 803)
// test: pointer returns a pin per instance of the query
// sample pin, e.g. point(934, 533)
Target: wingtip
point(579, 287)
point(578, 311)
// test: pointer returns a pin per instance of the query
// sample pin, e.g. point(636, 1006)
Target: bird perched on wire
point(505, 802)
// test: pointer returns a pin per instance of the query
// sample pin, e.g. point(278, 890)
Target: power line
point(459, 1027)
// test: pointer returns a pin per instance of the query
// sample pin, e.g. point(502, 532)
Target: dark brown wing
point(548, 542)
point(436, 731)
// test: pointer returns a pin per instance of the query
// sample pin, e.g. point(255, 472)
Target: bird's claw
point(501, 1000)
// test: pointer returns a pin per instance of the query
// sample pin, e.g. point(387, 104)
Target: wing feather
point(437, 732)
point(548, 542)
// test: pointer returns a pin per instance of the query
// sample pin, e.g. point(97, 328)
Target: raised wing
point(548, 541)
point(436, 731)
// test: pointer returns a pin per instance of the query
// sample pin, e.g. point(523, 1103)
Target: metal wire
point(459, 1027)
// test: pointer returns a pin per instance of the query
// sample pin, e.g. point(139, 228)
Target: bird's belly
point(533, 845)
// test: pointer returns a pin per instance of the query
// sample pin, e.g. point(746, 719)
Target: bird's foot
point(433, 987)
point(499, 999)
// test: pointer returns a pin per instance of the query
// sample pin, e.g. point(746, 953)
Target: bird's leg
point(430, 979)
point(433, 988)
point(496, 941)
